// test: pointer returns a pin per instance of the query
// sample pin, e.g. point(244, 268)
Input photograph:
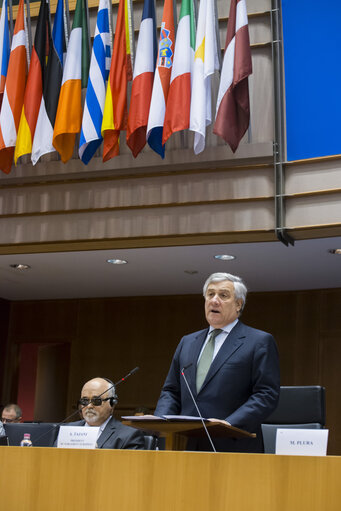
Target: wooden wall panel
point(115, 335)
point(48, 321)
point(4, 323)
point(111, 336)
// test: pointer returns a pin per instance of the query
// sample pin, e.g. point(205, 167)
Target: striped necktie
point(206, 358)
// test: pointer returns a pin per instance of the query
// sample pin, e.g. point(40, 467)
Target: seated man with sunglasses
point(96, 406)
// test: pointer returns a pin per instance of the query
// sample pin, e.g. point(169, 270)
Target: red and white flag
point(179, 95)
point(233, 106)
point(141, 91)
point(14, 93)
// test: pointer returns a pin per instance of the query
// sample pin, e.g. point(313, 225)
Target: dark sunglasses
point(96, 401)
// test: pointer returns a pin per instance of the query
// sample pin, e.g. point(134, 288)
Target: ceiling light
point(225, 257)
point(117, 261)
point(20, 266)
point(336, 251)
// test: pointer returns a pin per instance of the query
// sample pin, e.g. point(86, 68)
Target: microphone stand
point(197, 408)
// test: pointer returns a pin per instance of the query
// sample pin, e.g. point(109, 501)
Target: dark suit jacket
point(241, 386)
point(117, 436)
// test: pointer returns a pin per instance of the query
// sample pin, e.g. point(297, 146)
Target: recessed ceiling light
point(336, 251)
point(225, 257)
point(20, 266)
point(117, 261)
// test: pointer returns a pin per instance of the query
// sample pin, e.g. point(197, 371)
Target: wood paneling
point(4, 322)
point(62, 479)
point(111, 336)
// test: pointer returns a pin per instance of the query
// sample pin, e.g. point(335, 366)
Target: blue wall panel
point(312, 61)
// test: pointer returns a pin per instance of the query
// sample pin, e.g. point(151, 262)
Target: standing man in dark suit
point(232, 369)
point(98, 411)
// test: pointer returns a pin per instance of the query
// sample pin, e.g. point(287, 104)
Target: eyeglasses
point(96, 401)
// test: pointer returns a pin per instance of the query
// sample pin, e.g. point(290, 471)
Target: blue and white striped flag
point(91, 137)
point(5, 48)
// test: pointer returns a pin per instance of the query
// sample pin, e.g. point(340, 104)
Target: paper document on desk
point(184, 418)
point(147, 418)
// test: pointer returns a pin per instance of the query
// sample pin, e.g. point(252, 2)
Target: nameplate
point(302, 442)
point(77, 437)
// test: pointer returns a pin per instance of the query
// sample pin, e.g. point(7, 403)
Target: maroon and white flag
point(233, 106)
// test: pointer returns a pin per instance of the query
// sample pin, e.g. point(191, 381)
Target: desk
point(47, 479)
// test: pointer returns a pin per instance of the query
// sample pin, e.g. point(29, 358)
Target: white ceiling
point(161, 271)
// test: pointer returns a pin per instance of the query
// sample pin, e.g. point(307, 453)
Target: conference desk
point(47, 479)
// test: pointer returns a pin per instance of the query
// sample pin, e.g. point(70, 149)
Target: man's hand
point(221, 421)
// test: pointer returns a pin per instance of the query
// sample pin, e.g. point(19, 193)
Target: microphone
point(133, 371)
point(114, 385)
point(196, 406)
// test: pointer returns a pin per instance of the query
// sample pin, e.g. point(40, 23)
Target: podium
point(177, 431)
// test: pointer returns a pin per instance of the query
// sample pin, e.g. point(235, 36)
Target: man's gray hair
point(240, 289)
point(16, 409)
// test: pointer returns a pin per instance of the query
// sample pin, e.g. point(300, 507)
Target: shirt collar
point(227, 328)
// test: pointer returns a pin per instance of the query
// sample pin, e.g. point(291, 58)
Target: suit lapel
point(234, 340)
point(108, 431)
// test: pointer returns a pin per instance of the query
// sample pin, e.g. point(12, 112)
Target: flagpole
point(27, 20)
point(10, 6)
point(88, 22)
point(217, 34)
point(111, 25)
point(67, 22)
point(131, 32)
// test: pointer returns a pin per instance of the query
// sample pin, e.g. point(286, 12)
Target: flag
point(69, 112)
point(179, 96)
point(206, 61)
point(4, 48)
point(233, 108)
point(161, 80)
point(34, 85)
point(14, 92)
point(115, 106)
point(91, 137)
point(42, 142)
point(142, 80)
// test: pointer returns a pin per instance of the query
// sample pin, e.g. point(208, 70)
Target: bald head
point(97, 415)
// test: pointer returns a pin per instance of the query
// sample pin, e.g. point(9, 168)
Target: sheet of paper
point(141, 418)
point(182, 418)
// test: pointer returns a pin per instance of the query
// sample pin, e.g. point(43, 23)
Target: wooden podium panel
point(177, 432)
point(47, 479)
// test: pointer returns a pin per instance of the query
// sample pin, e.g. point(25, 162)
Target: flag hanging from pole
point(75, 75)
point(206, 61)
point(144, 68)
point(115, 106)
point(233, 106)
point(5, 48)
point(179, 96)
point(34, 85)
point(14, 92)
point(42, 142)
point(91, 137)
point(161, 80)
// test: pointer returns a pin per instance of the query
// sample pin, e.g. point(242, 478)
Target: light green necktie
point(206, 358)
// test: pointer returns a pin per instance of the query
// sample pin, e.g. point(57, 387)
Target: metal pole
point(279, 139)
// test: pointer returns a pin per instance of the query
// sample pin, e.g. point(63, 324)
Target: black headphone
point(113, 400)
